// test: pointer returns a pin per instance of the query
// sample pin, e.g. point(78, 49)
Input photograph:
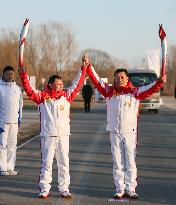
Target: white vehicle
point(140, 77)
point(98, 96)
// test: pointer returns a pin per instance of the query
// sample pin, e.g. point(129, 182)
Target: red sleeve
point(35, 95)
point(99, 84)
point(76, 85)
point(144, 92)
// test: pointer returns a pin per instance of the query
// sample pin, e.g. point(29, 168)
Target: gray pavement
point(91, 163)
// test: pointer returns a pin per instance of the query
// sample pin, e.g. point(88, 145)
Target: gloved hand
point(1, 130)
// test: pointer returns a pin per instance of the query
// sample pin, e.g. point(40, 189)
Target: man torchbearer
point(122, 102)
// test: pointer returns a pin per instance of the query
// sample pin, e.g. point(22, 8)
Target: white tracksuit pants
point(8, 146)
point(58, 146)
point(123, 148)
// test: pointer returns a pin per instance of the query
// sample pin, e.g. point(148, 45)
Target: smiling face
point(57, 85)
point(121, 79)
point(9, 76)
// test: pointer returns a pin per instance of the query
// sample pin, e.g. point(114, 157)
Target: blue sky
point(124, 29)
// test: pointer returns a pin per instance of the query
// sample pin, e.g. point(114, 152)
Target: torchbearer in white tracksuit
point(54, 106)
point(10, 119)
point(122, 101)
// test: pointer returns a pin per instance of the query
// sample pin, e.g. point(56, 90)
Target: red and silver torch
point(162, 36)
point(22, 41)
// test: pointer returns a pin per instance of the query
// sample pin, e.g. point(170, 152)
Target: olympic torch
point(162, 36)
point(22, 41)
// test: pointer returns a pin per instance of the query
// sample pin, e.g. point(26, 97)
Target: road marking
point(28, 141)
point(86, 176)
point(35, 137)
point(118, 200)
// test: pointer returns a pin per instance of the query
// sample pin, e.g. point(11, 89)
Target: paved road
point(91, 163)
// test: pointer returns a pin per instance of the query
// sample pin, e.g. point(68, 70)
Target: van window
point(140, 79)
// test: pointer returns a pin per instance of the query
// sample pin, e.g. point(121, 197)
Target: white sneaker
point(119, 194)
point(132, 195)
point(43, 194)
point(66, 194)
point(4, 173)
point(12, 172)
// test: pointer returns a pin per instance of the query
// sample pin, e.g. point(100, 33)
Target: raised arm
point(77, 83)
point(35, 95)
point(144, 92)
point(98, 82)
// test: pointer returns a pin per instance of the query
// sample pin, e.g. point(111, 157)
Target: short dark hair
point(7, 68)
point(53, 78)
point(119, 70)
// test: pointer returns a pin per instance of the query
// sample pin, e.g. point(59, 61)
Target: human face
point(9, 76)
point(57, 85)
point(121, 79)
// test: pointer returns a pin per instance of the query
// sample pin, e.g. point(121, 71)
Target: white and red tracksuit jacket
point(11, 103)
point(122, 103)
point(54, 106)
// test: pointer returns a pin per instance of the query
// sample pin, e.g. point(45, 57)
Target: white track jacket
point(54, 106)
point(122, 103)
point(10, 103)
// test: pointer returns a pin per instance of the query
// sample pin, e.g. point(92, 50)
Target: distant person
point(87, 93)
point(10, 118)
point(54, 107)
point(175, 92)
point(122, 103)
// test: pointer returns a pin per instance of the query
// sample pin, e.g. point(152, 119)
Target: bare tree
point(171, 71)
point(56, 45)
point(102, 62)
point(8, 49)
point(100, 59)
point(119, 63)
point(49, 50)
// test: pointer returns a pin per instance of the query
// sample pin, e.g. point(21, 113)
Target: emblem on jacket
point(61, 107)
point(127, 104)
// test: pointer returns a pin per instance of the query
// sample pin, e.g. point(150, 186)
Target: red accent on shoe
point(44, 197)
point(118, 197)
